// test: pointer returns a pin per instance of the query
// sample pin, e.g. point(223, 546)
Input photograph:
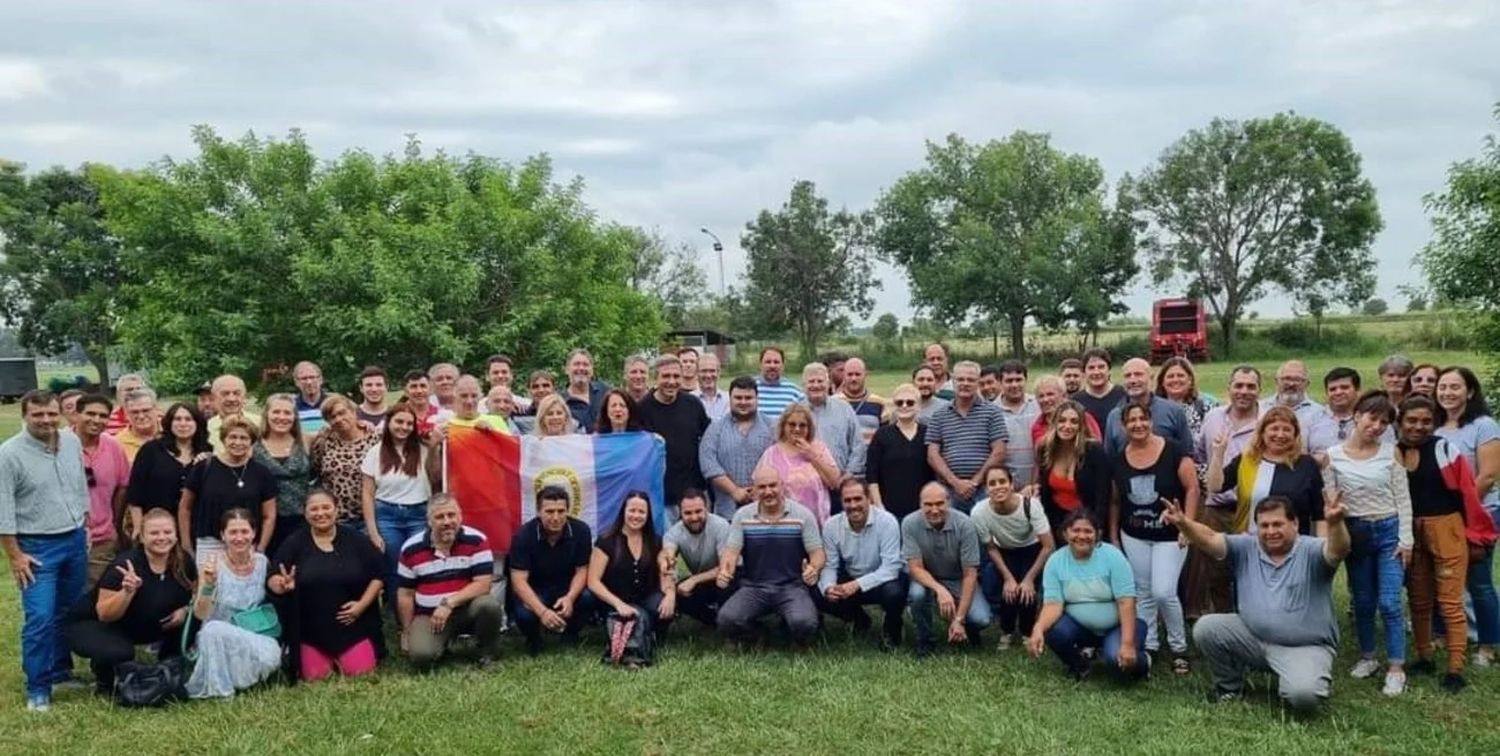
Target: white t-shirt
point(1009, 531)
point(396, 487)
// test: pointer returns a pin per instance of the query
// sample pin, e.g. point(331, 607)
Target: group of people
point(1105, 522)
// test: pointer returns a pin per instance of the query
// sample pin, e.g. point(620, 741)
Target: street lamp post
point(719, 248)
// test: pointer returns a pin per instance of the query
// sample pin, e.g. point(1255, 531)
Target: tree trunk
point(1018, 336)
point(994, 341)
point(100, 361)
point(1228, 322)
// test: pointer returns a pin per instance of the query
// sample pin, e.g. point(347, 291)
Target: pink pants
point(357, 660)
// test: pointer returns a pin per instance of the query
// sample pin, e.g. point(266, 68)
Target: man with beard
point(584, 394)
point(681, 422)
point(1285, 621)
point(444, 577)
point(108, 473)
point(863, 548)
point(869, 409)
point(1071, 371)
point(732, 446)
point(699, 538)
point(1291, 392)
point(1099, 395)
point(928, 402)
point(775, 392)
point(835, 362)
point(1167, 418)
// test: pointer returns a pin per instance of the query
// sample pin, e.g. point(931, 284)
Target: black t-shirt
point(549, 567)
point(326, 580)
point(160, 594)
point(156, 477)
point(681, 424)
point(629, 578)
point(220, 488)
point(1100, 407)
point(1430, 494)
point(1141, 491)
point(1301, 482)
point(899, 466)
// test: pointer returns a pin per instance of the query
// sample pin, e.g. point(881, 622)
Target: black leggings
point(106, 645)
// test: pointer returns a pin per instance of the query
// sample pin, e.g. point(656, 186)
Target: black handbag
point(140, 685)
point(629, 641)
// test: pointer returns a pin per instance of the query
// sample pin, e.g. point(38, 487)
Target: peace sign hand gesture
point(130, 582)
point(1171, 512)
point(1333, 508)
point(287, 577)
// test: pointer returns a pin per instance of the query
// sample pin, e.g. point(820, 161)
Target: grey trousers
point(1304, 673)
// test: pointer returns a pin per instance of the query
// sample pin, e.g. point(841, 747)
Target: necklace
point(239, 476)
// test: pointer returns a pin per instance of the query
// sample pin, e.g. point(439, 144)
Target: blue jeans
point(1069, 637)
point(531, 625)
point(924, 604)
point(1376, 579)
point(396, 523)
point(967, 505)
point(1481, 587)
point(61, 579)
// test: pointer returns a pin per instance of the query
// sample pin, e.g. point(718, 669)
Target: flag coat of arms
point(496, 477)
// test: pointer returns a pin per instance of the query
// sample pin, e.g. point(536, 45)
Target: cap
point(207, 388)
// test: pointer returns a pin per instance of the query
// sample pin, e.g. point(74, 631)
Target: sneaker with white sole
point(39, 704)
point(1482, 659)
point(1395, 684)
point(1005, 642)
point(1364, 669)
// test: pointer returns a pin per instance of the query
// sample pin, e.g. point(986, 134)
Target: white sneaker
point(1005, 642)
point(1395, 684)
point(1364, 669)
point(39, 704)
point(1482, 659)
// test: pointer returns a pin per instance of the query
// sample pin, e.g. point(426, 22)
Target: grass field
point(842, 697)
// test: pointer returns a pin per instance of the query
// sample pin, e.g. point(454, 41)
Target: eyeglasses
point(905, 402)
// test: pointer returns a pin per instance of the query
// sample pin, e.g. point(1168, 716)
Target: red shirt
point(117, 422)
point(1064, 491)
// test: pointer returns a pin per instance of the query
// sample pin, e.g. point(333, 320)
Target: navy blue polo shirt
point(550, 566)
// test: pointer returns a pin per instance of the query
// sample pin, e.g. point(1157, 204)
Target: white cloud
point(20, 79)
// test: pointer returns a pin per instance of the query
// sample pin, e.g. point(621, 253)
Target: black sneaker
point(1219, 695)
point(925, 649)
point(533, 646)
point(1080, 673)
point(1422, 667)
point(1453, 682)
point(486, 663)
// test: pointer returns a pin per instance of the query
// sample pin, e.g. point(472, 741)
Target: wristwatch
point(444, 604)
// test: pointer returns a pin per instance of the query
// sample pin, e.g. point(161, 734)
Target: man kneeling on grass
point(941, 548)
point(783, 554)
point(1284, 593)
point(445, 574)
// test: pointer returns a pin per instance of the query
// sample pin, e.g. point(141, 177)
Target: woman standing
point(141, 600)
point(804, 463)
point(1088, 601)
point(333, 576)
point(1464, 420)
point(1423, 380)
point(1440, 548)
point(1177, 381)
point(1372, 483)
point(229, 480)
point(896, 462)
point(553, 418)
point(232, 586)
point(399, 475)
point(623, 569)
point(619, 414)
point(1073, 472)
point(1016, 537)
point(1150, 473)
point(337, 454)
point(282, 451)
point(1272, 464)
point(161, 467)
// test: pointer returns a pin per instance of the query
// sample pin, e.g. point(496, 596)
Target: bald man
point(1167, 417)
point(776, 565)
point(229, 396)
point(869, 409)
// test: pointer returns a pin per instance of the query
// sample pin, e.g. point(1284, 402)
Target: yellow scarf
point(1244, 488)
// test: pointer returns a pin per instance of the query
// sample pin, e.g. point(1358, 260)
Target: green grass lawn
point(842, 697)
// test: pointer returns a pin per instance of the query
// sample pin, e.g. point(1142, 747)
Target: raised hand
point(1333, 508)
point(208, 574)
point(288, 577)
point(1171, 512)
point(1221, 441)
point(130, 582)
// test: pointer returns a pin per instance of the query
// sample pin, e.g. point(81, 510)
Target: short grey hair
point(1396, 363)
point(967, 365)
point(141, 394)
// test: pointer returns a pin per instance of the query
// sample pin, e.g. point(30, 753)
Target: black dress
point(217, 489)
point(156, 478)
point(899, 466)
point(635, 581)
point(326, 580)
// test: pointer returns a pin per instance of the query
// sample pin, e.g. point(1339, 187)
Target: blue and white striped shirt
point(774, 398)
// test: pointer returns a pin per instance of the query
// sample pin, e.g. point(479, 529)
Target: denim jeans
point(967, 505)
point(1376, 579)
point(396, 523)
point(1069, 637)
point(60, 580)
point(924, 604)
point(1486, 602)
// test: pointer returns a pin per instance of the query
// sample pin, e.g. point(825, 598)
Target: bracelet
point(207, 591)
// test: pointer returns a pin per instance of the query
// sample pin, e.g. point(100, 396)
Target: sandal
point(1181, 665)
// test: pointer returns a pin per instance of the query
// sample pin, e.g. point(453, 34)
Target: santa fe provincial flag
point(496, 477)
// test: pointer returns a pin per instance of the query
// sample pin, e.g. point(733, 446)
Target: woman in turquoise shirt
point(1088, 601)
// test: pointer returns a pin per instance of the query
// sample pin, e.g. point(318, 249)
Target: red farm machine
point(1179, 328)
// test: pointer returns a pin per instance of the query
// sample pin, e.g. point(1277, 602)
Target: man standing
point(838, 428)
point(127, 383)
point(500, 371)
point(699, 537)
point(1291, 392)
point(1285, 621)
point(418, 397)
point(989, 383)
point(206, 406)
point(371, 409)
point(1099, 395)
point(443, 375)
point(584, 394)
point(681, 422)
point(835, 362)
point(1208, 579)
point(1021, 412)
point(863, 548)
point(145, 425)
point(935, 356)
point(637, 378)
point(44, 504)
point(965, 439)
point(444, 576)
point(941, 548)
point(688, 357)
point(466, 412)
point(1336, 421)
point(1071, 371)
point(107, 473)
point(782, 554)
point(229, 398)
point(310, 396)
point(928, 402)
point(775, 392)
point(1167, 418)
point(868, 408)
point(549, 560)
point(715, 402)
point(731, 448)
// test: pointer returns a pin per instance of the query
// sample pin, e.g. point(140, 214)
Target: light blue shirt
point(774, 398)
point(839, 430)
point(724, 450)
point(42, 492)
point(871, 556)
point(1089, 589)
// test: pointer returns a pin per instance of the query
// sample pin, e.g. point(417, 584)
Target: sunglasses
point(906, 402)
point(88, 474)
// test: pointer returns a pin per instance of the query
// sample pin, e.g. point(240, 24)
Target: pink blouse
point(800, 481)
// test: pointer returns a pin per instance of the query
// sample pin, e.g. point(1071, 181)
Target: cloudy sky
point(688, 114)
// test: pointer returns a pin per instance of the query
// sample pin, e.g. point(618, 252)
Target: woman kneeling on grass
point(1088, 595)
point(1017, 539)
point(624, 572)
point(332, 576)
point(231, 595)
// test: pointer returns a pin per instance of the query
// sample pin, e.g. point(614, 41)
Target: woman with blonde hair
point(1274, 463)
point(804, 463)
point(553, 417)
point(281, 449)
point(896, 463)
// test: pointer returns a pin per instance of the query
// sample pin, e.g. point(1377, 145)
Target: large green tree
point(1241, 208)
point(669, 274)
point(256, 254)
point(809, 267)
point(60, 269)
point(1462, 260)
point(1009, 231)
